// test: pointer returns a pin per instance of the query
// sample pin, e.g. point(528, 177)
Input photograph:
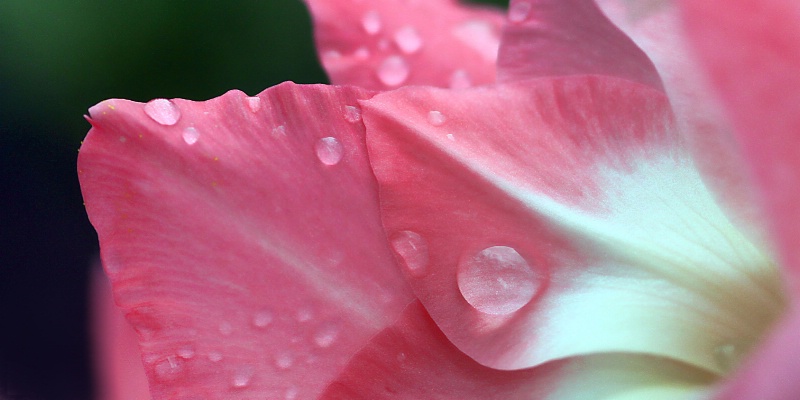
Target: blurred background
point(57, 59)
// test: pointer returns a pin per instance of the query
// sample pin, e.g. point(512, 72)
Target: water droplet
point(361, 53)
point(262, 319)
point(479, 36)
point(304, 315)
point(215, 356)
point(190, 135)
point(169, 368)
point(330, 57)
point(408, 40)
point(371, 22)
point(393, 71)
point(329, 150)
point(186, 351)
point(254, 103)
point(352, 113)
point(726, 356)
point(162, 111)
point(413, 249)
point(225, 328)
point(290, 394)
point(242, 377)
point(436, 118)
point(451, 137)
point(279, 131)
point(326, 336)
point(460, 79)
point(519, 11)
point(497, 280)
point(284, 361)
point(401, 357)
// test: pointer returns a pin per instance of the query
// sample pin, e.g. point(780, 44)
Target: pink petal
point(242, 237)
point(385, 44)
point(577, 185)
point(412, 359)
point(751, 50)
point(568, 37)
point(118, 362)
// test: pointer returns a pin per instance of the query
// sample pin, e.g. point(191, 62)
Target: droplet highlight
point(215, 356)
point(393, 71)
point(371, 22)
point(162, 111)
point(290, 394)
point(169, 369)
point(480, 36)
point(352, 114)
point(326, 336)
point(284, 361)
point(519, 11)
point(262, 319)
point(497, 280)
point(408, 40)
point(436, 118)
point(460, 79)
point(329, 150)
point(186, 352)
point(191, 135)
point(413, 250)
point(253, 103)
point(242, 377)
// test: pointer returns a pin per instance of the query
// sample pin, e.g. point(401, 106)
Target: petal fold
point(242, 237)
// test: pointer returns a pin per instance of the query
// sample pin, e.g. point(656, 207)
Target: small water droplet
point(352, 113)
point(169, 368)
point(451, 137)
point(408, 40)
point(254, 103)
point(284, 361)
point(304, 315)
point(242, 377)
point(436, 118)
point(225, 328)
point(361, 53)
point(290, 394)
point(329, 150)
point(186, 351)
point(726, 356)
point(460, 79)
point(371, 22)
point(215, 356)
point(330, 57)
point(401, 357)
point(413, 249)
point(190, 135)
point(519, 11)
point(162, 111)
point(497, 280)
point(279, 131)
point(393, 71)
point(262, 319)
point(326, 336)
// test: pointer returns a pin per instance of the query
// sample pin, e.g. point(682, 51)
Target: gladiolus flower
point(593, 223)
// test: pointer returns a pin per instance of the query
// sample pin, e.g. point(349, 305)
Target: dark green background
point(57, 59)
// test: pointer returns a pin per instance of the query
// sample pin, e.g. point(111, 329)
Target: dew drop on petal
point(460, 79)
point(162, 111)
point(352, 113)
point(253, 103)
point(361, 53)
point(413, 250)
point(329, 150)
point(393, 71)
point(225, 328)
point(371, 22)
point(519, 11)
point(215, 356)
point(329, 57)
point(279, 131)
point(480, 36)
point(326, 336)
point(169, 368)
point(451, 137)
point(497, 280)
point(436, 118)
point(186, 351)
point(262, 319)
point(191, 135)
point(408, 40)
point(241, 378)
point(284, 361)
point(290, 394)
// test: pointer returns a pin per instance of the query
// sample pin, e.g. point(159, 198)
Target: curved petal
point(381, 45)
point(118, 362)
point(242, 237)
point(571, 223)
point(568, 37)
point(412, 359)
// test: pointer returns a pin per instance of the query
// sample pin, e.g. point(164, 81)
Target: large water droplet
point(497, 280)
point(413, 249)
point(329, 150)
point(262, 319)
point(436, 118)
point(162, 111)
point(352, 113)
point(408, 40)
point(326, 336)
point(242, 377)
point(460, 79)
point(393, 71)
point(191, 135)
point(169, 368)
point(519, 11)
point(253, 103)
point(371, 22)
